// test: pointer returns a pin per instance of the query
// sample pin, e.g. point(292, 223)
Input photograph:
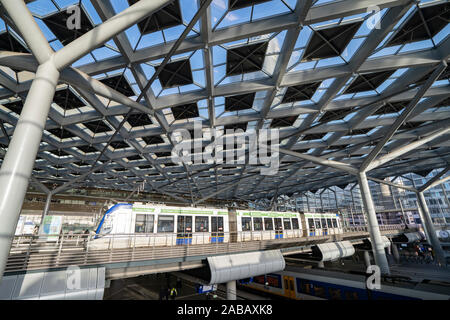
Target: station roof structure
point(333, 76)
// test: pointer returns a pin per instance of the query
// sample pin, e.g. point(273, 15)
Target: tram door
point(278, 228)
point(217, 229)
point(324, 227)
point(184, 230)
point(289, 290)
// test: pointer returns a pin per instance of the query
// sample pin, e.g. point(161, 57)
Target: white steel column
point(19, 160)
point(231, 290)
point(428, 227)
point(372, 224)
point(45, 212)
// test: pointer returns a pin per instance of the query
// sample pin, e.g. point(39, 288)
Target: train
point(314, 284)
point(159, 225)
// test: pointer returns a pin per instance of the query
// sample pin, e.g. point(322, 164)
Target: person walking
point(173, 293)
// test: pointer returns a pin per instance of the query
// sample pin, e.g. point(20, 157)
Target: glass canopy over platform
point(332, 76)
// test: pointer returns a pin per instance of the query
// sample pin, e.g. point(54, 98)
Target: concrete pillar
point(395, 252)
point(372, 224)
point(231, 290)
point(18, 164)
point(367, 258)
point(428, 227)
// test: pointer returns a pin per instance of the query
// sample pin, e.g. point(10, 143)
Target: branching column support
point(18, 163)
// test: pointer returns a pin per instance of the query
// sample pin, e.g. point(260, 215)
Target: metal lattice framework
point(375, 99)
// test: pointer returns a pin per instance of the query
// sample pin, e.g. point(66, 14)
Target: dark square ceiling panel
point(139, 119)
point(59, 153)
point(417, 28)
point(368, 82)
point(300, 92)
point(185, 111)
point(9, 43)
point(97, 126)
point(361, 131)
point(132, 158)
point(239, 4)
point(81, 164)
point(61, 133)
point(153, 139)
point(330, 42)
point(15, 106)
point(119, 83)
point(246, 59)
point(57, 23)
point(167, 17)
point(119, 145)
point(176, 74)
point(87, 149)
point(67, 100)
point(392, 107)
point(283, 122)
point(235, 126)
point(163, 154)
point(335, 115)
point(314, 136)
point(239, 102)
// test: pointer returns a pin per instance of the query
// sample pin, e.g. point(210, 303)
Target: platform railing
point(31, 252)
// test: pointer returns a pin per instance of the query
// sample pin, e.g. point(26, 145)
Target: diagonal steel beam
point(404, 115)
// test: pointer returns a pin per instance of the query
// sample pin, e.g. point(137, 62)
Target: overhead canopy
point(332, 88)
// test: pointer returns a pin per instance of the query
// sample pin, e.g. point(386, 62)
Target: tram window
point(335, 294)
point(184, 224)
point(201, 224)
point(305, 287)
point(319, 291)
point(351, 295)
point(317, 222)
point(295, 223)
point(311, 223)
point(278, 224)
point(257, 224)
point(144, 223)
point(268, 224)
point(165, 223)
point(334, 223)
point(246, 224)
point(287, 223)
point(329, 223)
point(324, 223)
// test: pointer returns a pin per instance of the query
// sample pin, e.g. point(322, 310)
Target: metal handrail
point(32, 252)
